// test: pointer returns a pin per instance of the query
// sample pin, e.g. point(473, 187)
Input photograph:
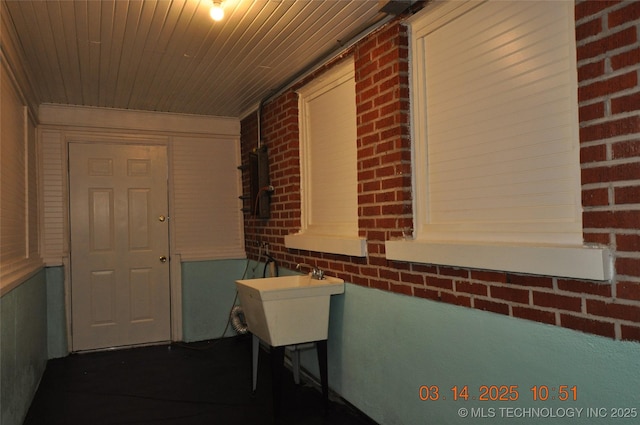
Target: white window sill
point(578, 262)
point(343, 245)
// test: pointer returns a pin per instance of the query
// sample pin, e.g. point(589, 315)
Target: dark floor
point(185, 384)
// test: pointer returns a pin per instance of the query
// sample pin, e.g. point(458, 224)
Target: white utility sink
point(288, 310)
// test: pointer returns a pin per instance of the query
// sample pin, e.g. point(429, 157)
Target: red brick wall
point(608, 53)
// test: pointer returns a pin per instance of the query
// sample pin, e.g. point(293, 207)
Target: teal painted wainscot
point(387, 350)
point(394, 357)
point(23, 346)
point(208, 294)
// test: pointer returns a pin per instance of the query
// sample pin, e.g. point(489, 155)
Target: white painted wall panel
point(207, 215)
point(19, 250)
point(53, 192)
point(13, 185)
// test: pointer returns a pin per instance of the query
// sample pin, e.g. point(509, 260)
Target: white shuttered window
point(328, 163)
point(501, 129)
point(496, 147)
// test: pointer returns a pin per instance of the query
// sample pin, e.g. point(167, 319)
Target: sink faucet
point(315, 272)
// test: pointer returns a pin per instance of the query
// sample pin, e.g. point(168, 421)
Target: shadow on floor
point(185, 384)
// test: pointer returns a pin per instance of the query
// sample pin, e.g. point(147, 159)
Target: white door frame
point(175, 272)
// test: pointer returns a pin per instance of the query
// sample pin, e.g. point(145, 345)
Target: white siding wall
point(206, 207)
point(204, 184)
point(52, 194)
point(19, 255)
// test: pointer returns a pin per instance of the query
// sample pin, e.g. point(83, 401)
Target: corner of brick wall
point(608, 55)
point(278, 127)
point(384, 150)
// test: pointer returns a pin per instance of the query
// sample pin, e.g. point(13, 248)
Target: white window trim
point(579, 262)
point(336, 238)
point(575, 261)
point(356, 247)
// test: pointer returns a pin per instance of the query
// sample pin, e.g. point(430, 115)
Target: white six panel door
point(119, 245)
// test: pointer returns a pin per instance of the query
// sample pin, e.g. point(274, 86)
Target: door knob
point(163, 259)
point(162, 218)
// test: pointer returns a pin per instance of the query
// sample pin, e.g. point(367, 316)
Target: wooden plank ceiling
point(170, 56)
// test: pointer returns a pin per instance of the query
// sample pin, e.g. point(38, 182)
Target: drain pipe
point(259, 125)
point(238, 321)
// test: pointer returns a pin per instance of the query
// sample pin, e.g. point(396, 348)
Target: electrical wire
point(253, 271)
point(260, 191)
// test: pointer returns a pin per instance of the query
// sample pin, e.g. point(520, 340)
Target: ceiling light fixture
point(216, 11)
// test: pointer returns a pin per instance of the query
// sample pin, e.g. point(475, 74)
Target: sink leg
point(277, 366)
point(321, 347)
point(255, 351)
